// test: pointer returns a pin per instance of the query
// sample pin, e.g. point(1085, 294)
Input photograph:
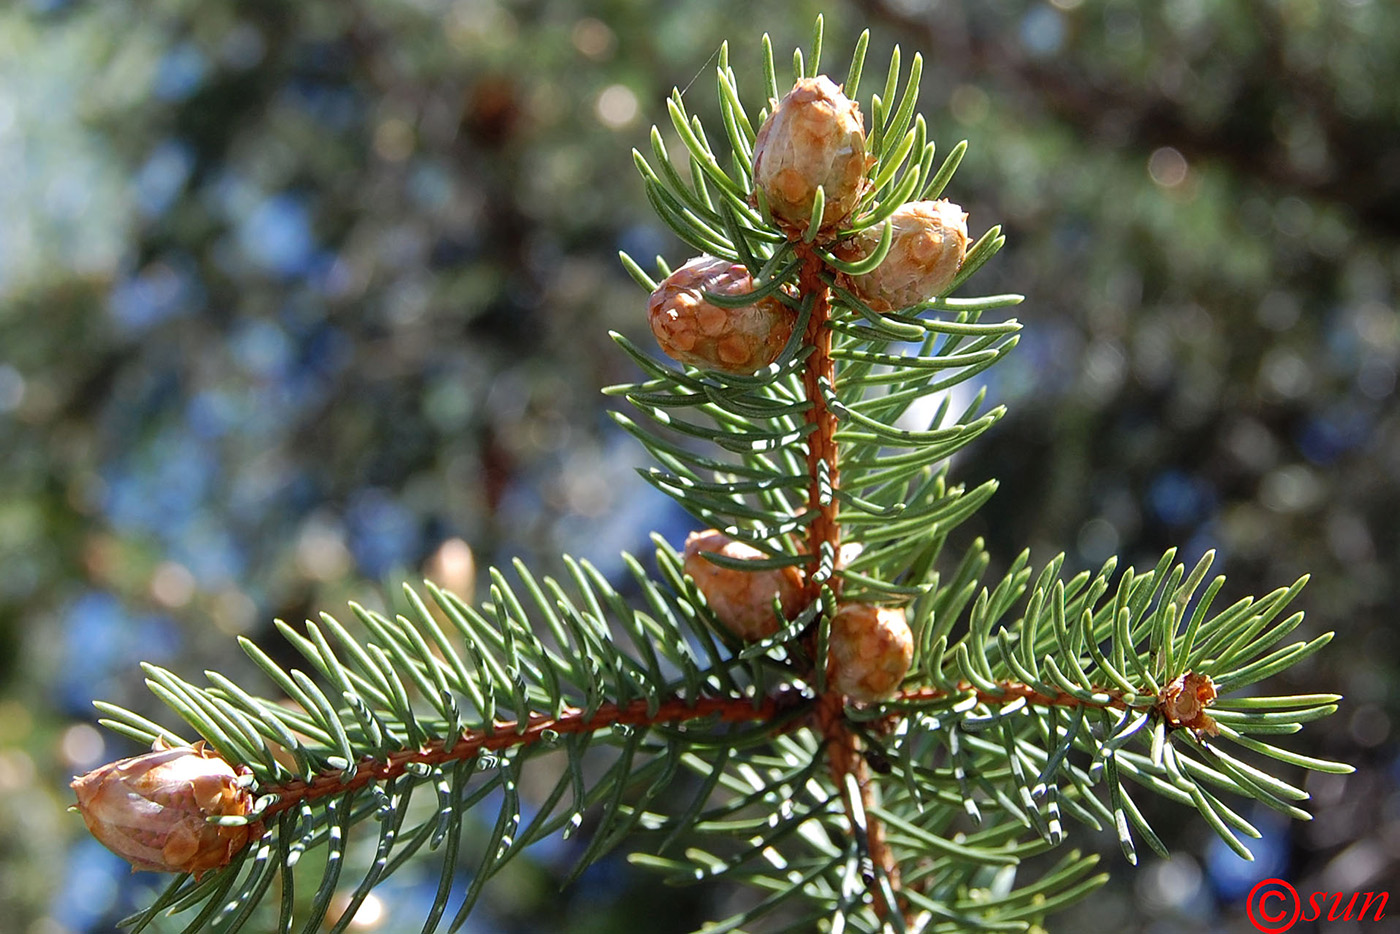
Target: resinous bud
point(740, 340)
point(871, 648)
point(814, 137)
point(1183, 702)
point(927, 246)
point(152, 810)
point(742, 600)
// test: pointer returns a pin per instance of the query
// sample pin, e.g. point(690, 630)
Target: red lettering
point(1332, 912)
point(1380, 906)
point(1316, 908)
point(1337, 911)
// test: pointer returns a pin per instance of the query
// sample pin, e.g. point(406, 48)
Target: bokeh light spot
point(81, 746)
point(11, 388)
point(1043, 31)
point(453, 566)
point(617, 106)
point(1370, 726)
point(1168, 167)
point(172, 585)
point(276, 235)
point(1098, 540)
point(393, 140)
point(593, 38)
point(969, 104)
point(1293, 488)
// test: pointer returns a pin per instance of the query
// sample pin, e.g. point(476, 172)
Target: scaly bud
point(929, 241)
point(1183, 702)
point(151, 810)
point(871, 648)
point(814, 136)
point(741, 600)
point(739, 340)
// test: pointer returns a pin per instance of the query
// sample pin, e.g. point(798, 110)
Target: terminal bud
point(152, 810)
point(814, 136)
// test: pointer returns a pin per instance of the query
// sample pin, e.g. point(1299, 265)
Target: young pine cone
point(741, 600)
point(929, 241)
point(814, 136)
point(871, 648)
point(739, 340)
point(150, 810)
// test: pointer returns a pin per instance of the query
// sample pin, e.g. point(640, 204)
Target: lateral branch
point(512, 734)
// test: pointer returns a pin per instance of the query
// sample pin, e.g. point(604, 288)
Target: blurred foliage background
point(298, 300)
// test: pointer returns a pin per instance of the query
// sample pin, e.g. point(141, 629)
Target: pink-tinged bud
point(929, 241)
point(739, 340)
point(741, 600)
point(151, 810)
point(814, 136)
point(871, 648)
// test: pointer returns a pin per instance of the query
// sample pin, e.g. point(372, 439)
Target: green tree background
point(293, 294)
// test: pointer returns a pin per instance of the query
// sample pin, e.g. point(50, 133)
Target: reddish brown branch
point(824, 537)
point(509, 735)
point(822, 473)
point(1015, 690)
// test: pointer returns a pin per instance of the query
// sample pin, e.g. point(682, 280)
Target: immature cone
point(814, 136)
point(150, 810)
point(871, 648)
point(929, 241)
point(739, 340)
point(741, 600)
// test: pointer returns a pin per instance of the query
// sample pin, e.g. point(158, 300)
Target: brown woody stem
point(842, 749)
point(824, 533)
point(1015, 690)
point(512, 734)
point(824, 537)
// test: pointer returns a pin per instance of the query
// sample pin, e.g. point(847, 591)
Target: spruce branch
point(879, 739)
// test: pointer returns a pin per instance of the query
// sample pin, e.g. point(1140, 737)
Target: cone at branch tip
point(153, 810)
point(815, 137)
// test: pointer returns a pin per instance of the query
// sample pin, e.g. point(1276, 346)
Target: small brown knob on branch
point(691, 330)
point(871, 648)
point(927, 247)
point(1183, 702)
point(741, 600)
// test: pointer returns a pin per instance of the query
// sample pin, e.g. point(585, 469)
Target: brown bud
point(1184, 702)
point(151, 810)
point(741, 600)
point(814, 136)
point(929, 241)
point(871, 648)
point(739, 340)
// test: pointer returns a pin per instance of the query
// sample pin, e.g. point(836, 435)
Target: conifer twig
point(824, 545)
point(824, 534)
point(511, 735)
